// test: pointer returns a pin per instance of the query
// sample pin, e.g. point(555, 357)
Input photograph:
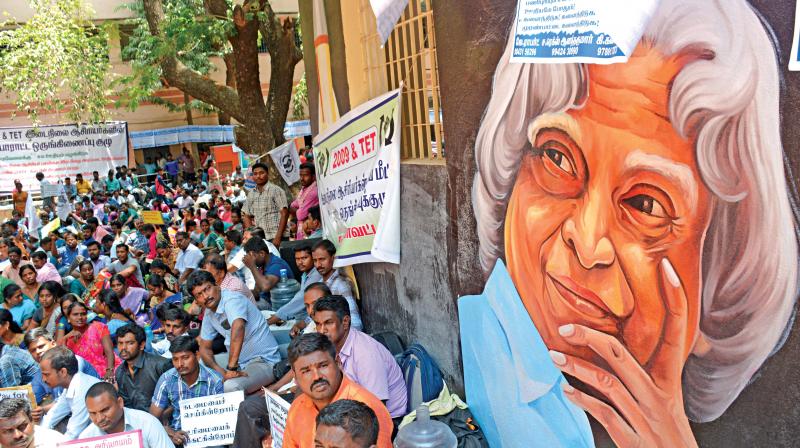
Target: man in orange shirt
point(19, 197)
point(317, 373)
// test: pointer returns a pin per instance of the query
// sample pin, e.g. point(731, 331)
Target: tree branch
point(177, 75)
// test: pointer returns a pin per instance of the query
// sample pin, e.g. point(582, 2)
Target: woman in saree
point(92, 341)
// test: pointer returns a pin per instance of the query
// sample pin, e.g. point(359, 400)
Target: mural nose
point(588, 240)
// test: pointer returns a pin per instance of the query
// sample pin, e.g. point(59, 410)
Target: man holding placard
point(109, 416)
point(17, 429)
point(189, 379)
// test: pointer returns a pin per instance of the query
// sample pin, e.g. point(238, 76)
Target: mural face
point(629, 203)
point(608, 192)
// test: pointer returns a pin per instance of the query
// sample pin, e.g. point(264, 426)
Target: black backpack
point(464, 426)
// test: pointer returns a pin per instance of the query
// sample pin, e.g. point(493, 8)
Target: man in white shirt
point(60, 369)
point(109, 416)
point(189, 257)
point(184, 200)
point(18, 431)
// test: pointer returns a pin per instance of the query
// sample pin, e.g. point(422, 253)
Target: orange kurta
point(301, 421)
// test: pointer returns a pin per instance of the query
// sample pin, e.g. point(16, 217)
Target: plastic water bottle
point(283, 291)
point(425, 433)
point(149, 334)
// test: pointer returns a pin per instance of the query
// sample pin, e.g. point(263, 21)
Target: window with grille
point(410, 57)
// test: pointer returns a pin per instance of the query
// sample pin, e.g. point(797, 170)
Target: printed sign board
point(562, 31)
point(210, 421)
point(358, 178)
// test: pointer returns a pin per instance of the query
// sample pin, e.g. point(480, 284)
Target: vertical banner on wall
point(358, 177)
point(387, 12)
point(567, 31)
point(287, 161)
point(327, 108)
point(60, 151)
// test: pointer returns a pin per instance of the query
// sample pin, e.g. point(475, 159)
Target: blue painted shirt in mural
point(513, 388)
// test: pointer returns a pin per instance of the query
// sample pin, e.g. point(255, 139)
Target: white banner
point(358, 178)
point(278, 411)
point(387, 12)
point(287, 160)
point(130, 439)
point(210, 421)
point(591, 31)
point(59, 152)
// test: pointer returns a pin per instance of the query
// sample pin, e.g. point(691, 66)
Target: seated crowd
point(113, 322)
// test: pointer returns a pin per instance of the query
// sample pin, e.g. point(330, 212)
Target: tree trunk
point(230, 81)
point(260, 124)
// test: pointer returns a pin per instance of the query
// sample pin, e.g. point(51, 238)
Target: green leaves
point(56, 62)
point(300, 99)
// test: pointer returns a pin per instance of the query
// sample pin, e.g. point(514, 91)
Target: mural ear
point(701, 346)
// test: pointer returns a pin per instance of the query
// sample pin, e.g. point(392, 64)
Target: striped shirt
point(171, 389)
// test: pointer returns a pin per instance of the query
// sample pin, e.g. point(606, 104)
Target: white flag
point(387, 12)
point(287, 161)
point(33, 218)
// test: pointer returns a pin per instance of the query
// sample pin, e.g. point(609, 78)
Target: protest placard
point(278, 411)
point(60, 151)
point(50, 190)
point(358, 179)
point(25, 392)
point(579, 30)
point(50, 227)
point(152, 217)
point(210, 421)
point(130, 439)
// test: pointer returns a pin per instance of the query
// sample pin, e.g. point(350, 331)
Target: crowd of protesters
point(114, 315)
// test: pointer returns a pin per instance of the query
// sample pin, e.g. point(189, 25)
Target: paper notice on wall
point(570, 31)
point(358, 179)
point(287, 160)
point(130, 439)
point(210, 421)
point(387, 12)
point(794, 58)
point(278, 411)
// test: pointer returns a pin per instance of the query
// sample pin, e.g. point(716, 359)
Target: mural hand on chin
point(646, 407)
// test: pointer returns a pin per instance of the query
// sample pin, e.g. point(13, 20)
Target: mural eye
point(560, 160)
point(647, 205)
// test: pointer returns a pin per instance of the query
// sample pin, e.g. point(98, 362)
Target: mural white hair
point(728, 98)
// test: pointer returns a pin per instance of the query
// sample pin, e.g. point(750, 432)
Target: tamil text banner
point(130, 439)
point(210, 421)
point(59, 152)
point(358, 178)
point(591, 31)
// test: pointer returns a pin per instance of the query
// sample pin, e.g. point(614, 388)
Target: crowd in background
point(114, 315)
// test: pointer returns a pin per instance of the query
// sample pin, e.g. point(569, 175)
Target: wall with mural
point(636, 230)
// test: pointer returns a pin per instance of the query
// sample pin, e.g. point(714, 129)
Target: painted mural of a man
point(644, 215)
